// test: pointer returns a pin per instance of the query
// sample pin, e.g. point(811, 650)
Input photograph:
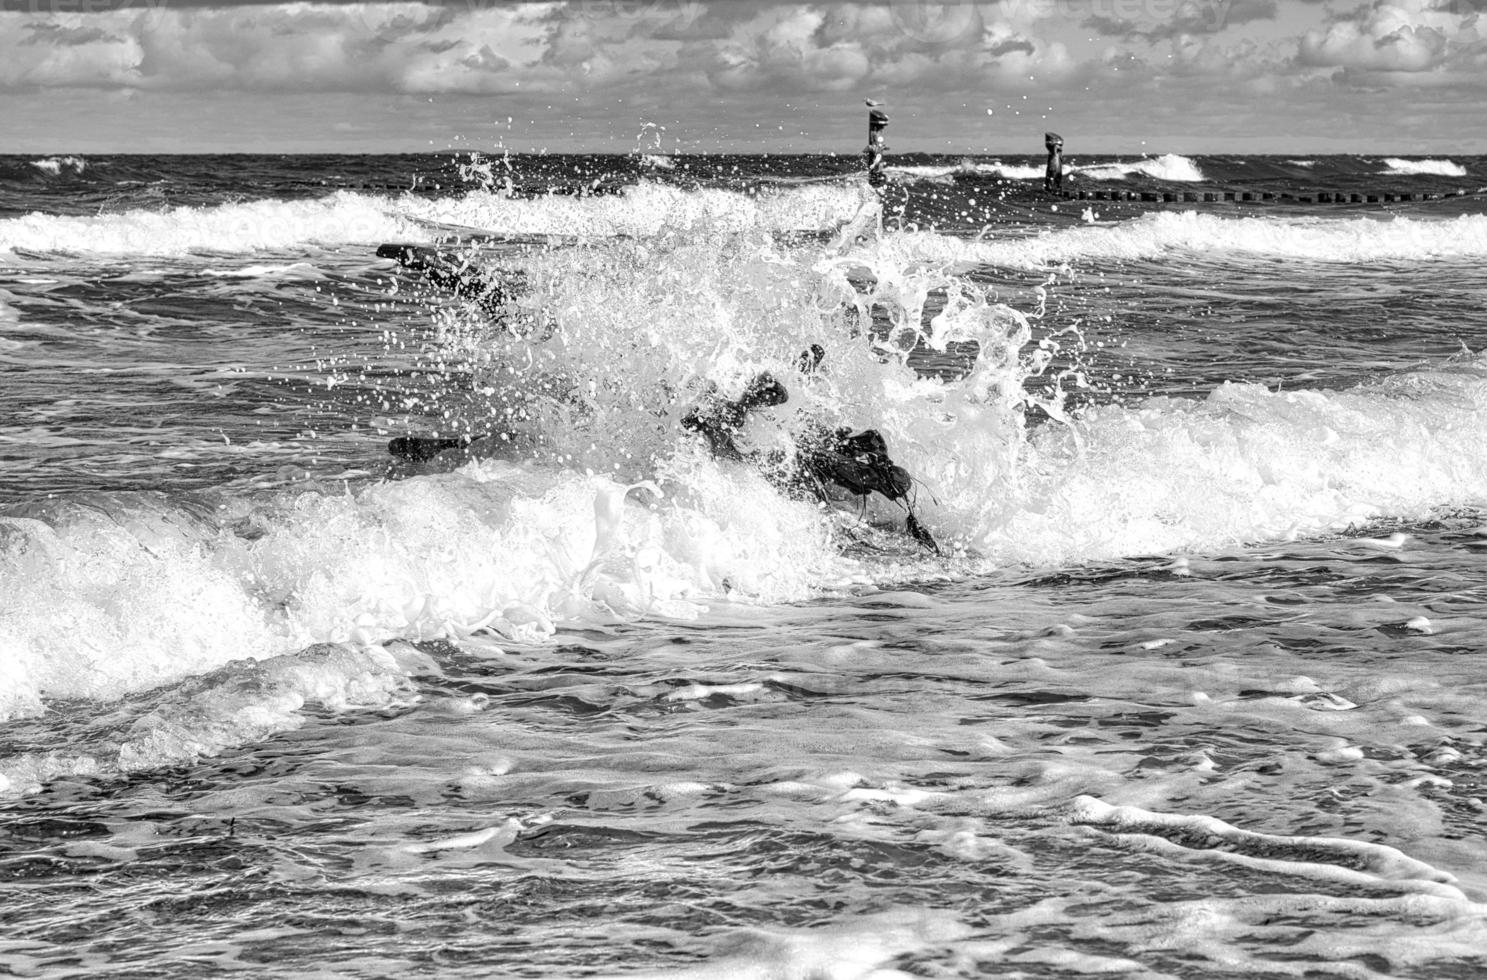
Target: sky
point(703, 76)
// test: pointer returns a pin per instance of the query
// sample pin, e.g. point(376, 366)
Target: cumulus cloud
point(397, 47)
point(716, 63)
point(563, 46)
point(1409, 36)
point(62, 35)
point(788, 45)
point(1245, 61)
point(1163, 19)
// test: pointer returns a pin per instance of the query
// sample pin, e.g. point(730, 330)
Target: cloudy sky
point(1113, 76)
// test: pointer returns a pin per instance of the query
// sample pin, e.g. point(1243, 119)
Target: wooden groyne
point(877, 146)
point(1222, 196)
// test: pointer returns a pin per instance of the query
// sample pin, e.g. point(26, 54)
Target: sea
point(1185, 685)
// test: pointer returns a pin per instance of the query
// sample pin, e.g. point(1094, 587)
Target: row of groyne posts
point(1053, 180)
point(1211, 197)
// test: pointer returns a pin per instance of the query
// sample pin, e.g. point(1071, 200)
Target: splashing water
point(1195, 692)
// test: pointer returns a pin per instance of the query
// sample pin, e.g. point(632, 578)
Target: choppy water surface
point(1194, 692)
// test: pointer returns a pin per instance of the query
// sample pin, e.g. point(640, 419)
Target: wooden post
point(1053, 174)
point(877, 121)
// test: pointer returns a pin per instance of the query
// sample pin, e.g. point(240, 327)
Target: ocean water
point(1194, 689)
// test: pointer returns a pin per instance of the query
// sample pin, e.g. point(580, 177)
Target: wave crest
point(1399, 166)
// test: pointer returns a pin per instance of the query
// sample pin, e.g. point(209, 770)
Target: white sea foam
point(648, 209)
point(1013, 171)
point(1153, 235)
point(266, 270)
point(1356, 863)
point(72, 622)
point(342, 218)
point(130, 594)
point(1168, 166)
point(494, 547)
point(1379, 884)
point(347, 218)
point(1438, 168)
point(249, 702)
point(1245, 464)
point(55, 165)
point(924, 172)
point(996, 169)
point(862, 948)
point(113, 601)
point(239, 703)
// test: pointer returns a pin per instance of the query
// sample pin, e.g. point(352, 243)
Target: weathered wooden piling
point(1053, 173)
point(877, 146)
